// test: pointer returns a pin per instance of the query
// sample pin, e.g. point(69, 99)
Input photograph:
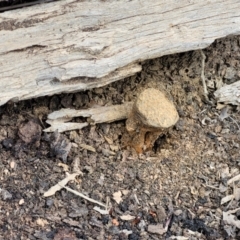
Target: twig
point(83, 196)
point(203, 76)
point(136, 198)
point(210, 186)
point(168, 222)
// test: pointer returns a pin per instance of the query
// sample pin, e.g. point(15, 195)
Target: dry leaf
point(224, 113)
point(60, 185)
point(222, 188)
point(230, 230)
point(125, 192)
point(227, 199)
point(102, 211)
point(74, 145)
point(126, 232)
point(193, 190)
point(87, 147)
point(231, 219)
point(236, 193)
point(76, 164)
point(64, 166)
point(234, 179)
point(109, 140)
point(41, 222)
point(224, 171)
point(220, 106)
point(117, 196)
point(101, 179)
point(127, 217)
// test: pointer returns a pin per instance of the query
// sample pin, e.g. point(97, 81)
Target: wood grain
point(71, 45)
point(229, 94)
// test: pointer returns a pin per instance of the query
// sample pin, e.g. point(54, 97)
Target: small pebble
point(133, 236)
point(82, 211)
point(49, 202)
point(123, 207)
point(5, 194)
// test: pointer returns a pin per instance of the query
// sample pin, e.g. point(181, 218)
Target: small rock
point(133, 236)
point(142, 225)
point(30, 131)
point(230, 73)
point(107, 152)
point(105, 219)
point(88, 169)
point(113, 230)
point(3, 134)
point(8, 143)
point(67, 101)
point(82, 211)
point(65, 233)
point(71, 222)
point(94, 222)
point(60, 146)
point(49, 202)
point(158, 229)
point(54, 103)
point(5, 194)
point(161, 214)
point(80, 99)
point(178, 212)
point(101, 179)
point(123, 207)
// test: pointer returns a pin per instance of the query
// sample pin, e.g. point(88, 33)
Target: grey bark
point(70, 45)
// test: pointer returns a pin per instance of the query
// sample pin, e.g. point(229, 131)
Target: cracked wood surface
point(229, 94)
point(70, 45)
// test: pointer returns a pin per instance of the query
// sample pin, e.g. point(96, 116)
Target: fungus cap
point(154, 109)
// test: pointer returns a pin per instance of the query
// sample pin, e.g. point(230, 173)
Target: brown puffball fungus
point(152, 115)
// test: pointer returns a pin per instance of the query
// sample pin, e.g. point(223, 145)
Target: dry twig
point(205, 91)
point(83, 196)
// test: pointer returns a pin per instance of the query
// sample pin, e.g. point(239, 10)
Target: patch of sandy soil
point(182, 189)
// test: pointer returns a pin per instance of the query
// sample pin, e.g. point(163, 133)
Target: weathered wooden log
point(71, 45)
point(229, 94)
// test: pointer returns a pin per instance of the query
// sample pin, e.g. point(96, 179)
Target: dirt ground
point(182, 189)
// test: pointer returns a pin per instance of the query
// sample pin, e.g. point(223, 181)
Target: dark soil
point(171, 192)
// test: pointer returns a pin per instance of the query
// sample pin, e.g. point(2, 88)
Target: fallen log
point(70, 45)
point(229, 94)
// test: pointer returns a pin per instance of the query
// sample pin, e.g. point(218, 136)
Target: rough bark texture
point(229, 94)
point(71, 45)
